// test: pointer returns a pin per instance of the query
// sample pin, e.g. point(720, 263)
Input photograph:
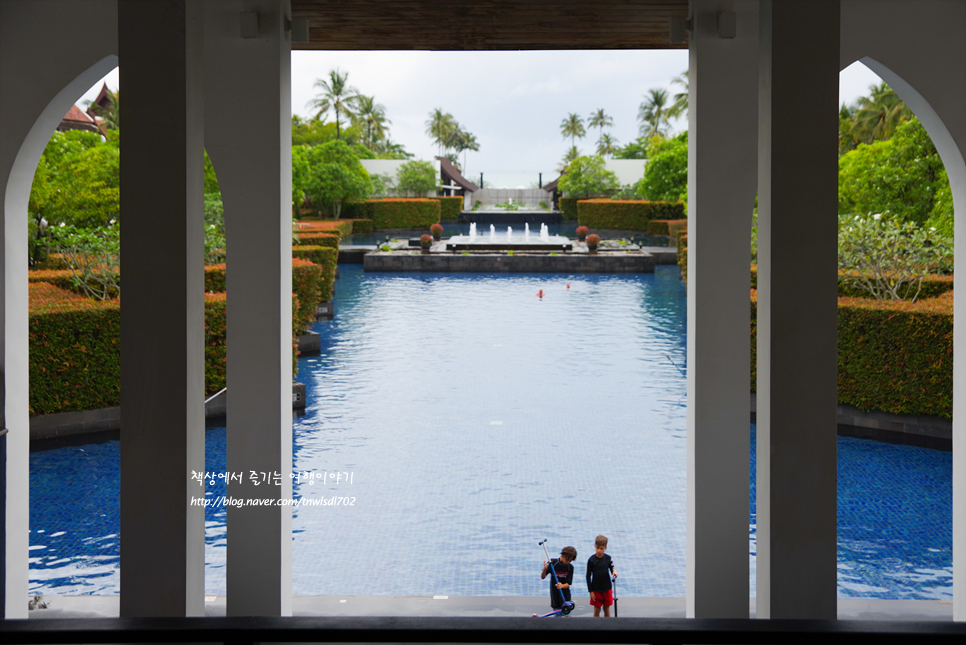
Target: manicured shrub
point(306, 286)
point(425, 241)
point(933, 286)
point(593, 240)
point(216, 345)
point(436, 230)
point(330, 240)
point(682, 245)
point(325, 257)
point(450, 207)
point(343, 227)
point(629, 215)
point(662, 226)
point(215, 278)
point(581, 232)
point(893, 356)
point(60, 278)
point(568, 207)
point(403, 213)
point(361, 226)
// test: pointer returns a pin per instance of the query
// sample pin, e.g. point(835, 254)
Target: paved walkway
point(497, 606)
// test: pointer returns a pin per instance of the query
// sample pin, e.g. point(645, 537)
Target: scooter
point(566, 607)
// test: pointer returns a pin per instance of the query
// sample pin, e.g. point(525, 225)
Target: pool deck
point(493, 606)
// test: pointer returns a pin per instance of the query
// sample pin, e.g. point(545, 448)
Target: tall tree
point(600, 120)
point(440, 127)
point(372, 118)
point(878, 115)
point(680, 105)
point(336, 96)
point(461, 141)
point(606, 145)
point(573, 127)
point(653, 112)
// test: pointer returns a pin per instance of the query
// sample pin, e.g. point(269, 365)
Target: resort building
point(763, 120)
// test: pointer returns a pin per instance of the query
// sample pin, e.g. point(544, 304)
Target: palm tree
point(461, 141)
point(606, 145)
point(336, 97)
point(573, 127)
point(373, 116)
point(653, 112)
point(599, 120)
point(572, 154)
point(441, 126)
point(877, 116)
point(680, 105)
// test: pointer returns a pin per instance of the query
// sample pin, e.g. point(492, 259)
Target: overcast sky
point(513, 102)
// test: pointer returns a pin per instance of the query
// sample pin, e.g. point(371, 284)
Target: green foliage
point(508, 206)
point(93, 256)
point(900, 176)
point(628, 215)
point(335, 175)
point(382, 186)
point(77, 180)
point(216, 342)
point(403, 213)
point(887, 258)
point(666, 172)
point(325, 257)
point(450, 207)
point(626, 192)
point(588, 177)
point(418, 177)
point(330, 240)
point(214, 229)
point(568, 207)
point(941, 217)
point(663, 226)
point(306, 286)
point(361, 226)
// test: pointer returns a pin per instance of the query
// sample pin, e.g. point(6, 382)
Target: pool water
point(469, 420)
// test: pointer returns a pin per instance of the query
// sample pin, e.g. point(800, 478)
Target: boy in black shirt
point(562, 566)
point(598, 579)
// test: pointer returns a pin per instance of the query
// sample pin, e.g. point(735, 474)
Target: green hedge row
point(313, 238)
point(665, 226)
point(361, 226)
point(682, 240)
point(341, 227)
point(568, 207)
point(893, 356)
point(450, 207)
point(631, 215)
point(399, 212)
point(325, 257)
point(933, 286)
point(75, 359)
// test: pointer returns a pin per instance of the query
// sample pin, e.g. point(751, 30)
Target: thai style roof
point(451, 173)
point(76, 119)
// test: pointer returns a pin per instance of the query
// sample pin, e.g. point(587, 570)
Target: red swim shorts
point(604, 599)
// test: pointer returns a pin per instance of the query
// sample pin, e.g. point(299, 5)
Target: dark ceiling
point(488, 24)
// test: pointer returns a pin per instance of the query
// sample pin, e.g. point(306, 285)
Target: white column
point(249, 139)
point(722, 176)
point(797, 309)
point(162, 328)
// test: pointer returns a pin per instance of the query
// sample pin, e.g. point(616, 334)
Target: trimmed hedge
point(933, 286)
point(683, 255)
point(60, 278)
point(330, 240)
point(893, 356)
point(361, 226)
point(450, 207)
point(342, 227)
point(215, 278)
point(306, 287)
point(663, 226)
point(568, 207)
point(403, 213)
point(216, 342)
point(626, 214)
point(325, 257)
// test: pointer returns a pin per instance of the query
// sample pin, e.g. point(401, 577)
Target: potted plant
point(437, 231)
point(582, 233)
point(426, 241)
point(592, 241)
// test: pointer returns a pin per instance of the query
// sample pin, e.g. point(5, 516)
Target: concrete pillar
point(162, 330)
point(797, 309)
point(251, 149)
point(40, 78)
point(722, 163)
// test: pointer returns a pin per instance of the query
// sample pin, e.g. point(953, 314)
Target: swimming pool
point(567, 230)
point(476, 419)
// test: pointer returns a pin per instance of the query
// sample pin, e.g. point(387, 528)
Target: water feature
point(462, 462)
